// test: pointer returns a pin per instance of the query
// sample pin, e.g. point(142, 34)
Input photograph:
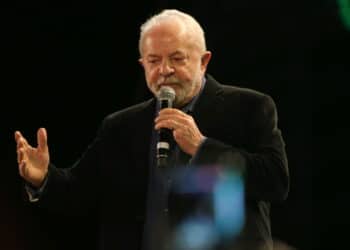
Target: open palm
point(33, 162)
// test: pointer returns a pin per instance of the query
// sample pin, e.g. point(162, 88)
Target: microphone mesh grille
point(166, 93)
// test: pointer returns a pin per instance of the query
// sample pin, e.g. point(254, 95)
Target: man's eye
point(154, 61)
point(178, 59)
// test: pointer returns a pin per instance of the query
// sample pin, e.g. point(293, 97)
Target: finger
point(19, 155)
point(18, 139)
point(169, 124)
point(22, 154)
point(42, 138)
point(163, 124)
point(179, 117)
point(17, 135)
point(162, 118)
point(22, 168)
point(177, 121)
point(23, 144)
point(171, 111)
point(21, 141)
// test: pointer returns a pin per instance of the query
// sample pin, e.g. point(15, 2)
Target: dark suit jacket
point(111, 177)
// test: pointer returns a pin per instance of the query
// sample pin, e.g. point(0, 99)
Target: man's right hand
point(33, 162)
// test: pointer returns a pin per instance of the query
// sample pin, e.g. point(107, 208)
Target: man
point(212, 125)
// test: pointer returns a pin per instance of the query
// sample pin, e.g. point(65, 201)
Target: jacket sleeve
point(262, 163)
point(73, 190)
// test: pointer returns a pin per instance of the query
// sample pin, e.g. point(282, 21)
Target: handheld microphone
point(166, 96)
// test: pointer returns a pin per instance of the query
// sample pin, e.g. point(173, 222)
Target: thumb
point(42, 139)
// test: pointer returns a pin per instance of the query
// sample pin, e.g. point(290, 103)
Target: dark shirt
point(157, 230)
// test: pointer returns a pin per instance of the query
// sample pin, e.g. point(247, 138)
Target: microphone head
point(166, 93)
point(166, 96)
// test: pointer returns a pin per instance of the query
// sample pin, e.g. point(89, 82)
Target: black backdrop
point(65, 65)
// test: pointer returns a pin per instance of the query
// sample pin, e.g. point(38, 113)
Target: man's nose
point(166, 68)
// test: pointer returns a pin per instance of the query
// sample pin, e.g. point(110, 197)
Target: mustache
point(170, 80)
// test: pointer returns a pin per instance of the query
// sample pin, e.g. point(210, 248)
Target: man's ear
point(141, 62)
point(205, 60)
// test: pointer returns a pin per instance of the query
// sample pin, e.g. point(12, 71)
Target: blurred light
point(223, 190)
point(229, 205)
point(194, 180)
point(344, 9)
point(196, 233)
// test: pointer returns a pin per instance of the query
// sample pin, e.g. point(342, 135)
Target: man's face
point(170, 59)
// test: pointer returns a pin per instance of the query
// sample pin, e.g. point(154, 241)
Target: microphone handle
point(163, 147)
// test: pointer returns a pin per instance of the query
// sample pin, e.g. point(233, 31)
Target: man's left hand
point(184, 128)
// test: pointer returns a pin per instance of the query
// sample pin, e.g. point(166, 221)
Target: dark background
point(65, 65)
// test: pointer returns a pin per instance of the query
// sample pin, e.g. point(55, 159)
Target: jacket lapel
point(206, 108)
point(203, 112)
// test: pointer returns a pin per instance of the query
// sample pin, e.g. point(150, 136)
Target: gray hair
point(190, 24)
